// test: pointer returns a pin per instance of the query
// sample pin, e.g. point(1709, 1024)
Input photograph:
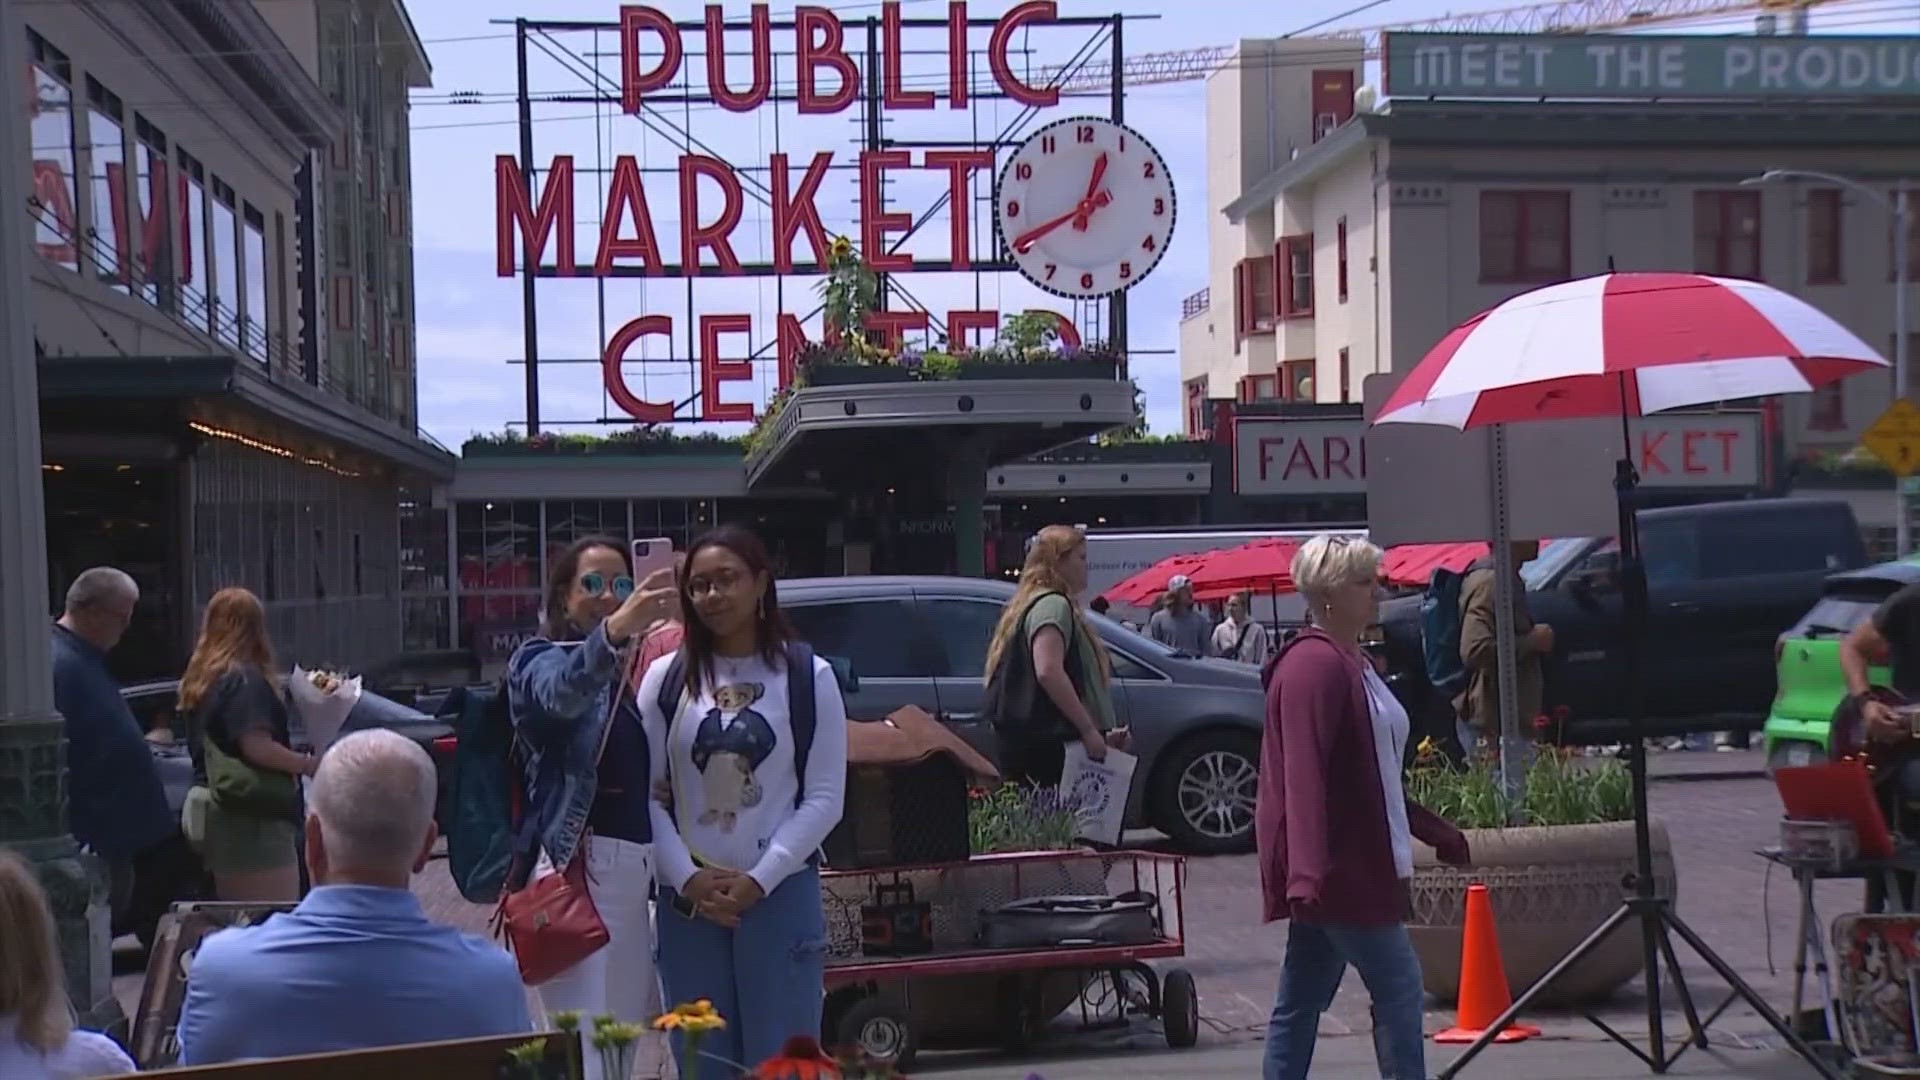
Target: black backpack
point(486, 806)
point(801, 711)
point(1017, 704)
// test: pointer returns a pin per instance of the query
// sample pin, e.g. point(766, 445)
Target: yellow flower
point(842, 247)
point(1426, 750)
point(697, 1018)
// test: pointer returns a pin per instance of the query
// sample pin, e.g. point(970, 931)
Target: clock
point(1085, 207)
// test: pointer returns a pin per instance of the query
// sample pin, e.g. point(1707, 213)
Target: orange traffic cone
point(1484, 994)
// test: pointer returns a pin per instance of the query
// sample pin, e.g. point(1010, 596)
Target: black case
point(902, 815)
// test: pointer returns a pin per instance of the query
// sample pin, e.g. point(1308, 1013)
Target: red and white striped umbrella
point(1626, 344)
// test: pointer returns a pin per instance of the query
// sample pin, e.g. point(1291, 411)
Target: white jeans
point(620, 979)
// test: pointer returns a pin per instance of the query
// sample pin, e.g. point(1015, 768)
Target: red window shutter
point(1346, 383)
point(1242, 317)
point(1340, 242)
point(1282, 278)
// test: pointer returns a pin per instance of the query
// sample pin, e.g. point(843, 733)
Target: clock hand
point(1025, 241)
point(1086, 208)
point(1099, 174)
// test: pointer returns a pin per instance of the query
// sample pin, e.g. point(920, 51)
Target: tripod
point(1643, 904)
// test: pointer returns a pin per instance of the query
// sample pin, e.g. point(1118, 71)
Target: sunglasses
point(595, 584)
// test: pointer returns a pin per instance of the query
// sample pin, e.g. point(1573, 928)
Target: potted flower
point(1552, 856)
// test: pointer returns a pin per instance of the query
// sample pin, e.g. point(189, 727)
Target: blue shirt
point(353, 967)
point(116, 803)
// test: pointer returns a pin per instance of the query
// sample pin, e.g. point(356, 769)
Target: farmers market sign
point(1630, 66)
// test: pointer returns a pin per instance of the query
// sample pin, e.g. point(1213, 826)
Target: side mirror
point(844, 674)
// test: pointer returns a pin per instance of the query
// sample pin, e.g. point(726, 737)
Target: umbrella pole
point(1645, 904)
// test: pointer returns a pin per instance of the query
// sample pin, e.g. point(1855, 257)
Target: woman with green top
point(1048, 679)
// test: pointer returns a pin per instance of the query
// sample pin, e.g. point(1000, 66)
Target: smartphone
point(650, 556)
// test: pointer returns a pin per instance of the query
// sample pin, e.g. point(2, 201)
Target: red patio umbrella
point(1140, 589)
point(1414, 564)
point(1263, 565)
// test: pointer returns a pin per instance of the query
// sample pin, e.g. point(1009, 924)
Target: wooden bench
point(465, 1059)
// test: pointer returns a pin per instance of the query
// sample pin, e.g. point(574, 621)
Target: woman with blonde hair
point(243, 812)
point(1048, 679)
point(1334, 826)
point(37, 1037)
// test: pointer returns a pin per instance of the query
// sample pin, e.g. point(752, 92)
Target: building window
point(223, 272)
point(1346, 376)
point(194, 272)
point(1525, 236)
point(153, 274)
point(1340, 256)
point(1823, 237)
point(1827, 408)
point(1196, 408)
point(1913, 237)
point(253, 315)
point(1296, 380)
point(108, 185)
point(56, 228)
point(1295, 257)
point(1253, 284)
point(1726, 233)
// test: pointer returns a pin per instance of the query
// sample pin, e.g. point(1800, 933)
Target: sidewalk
point(1351, 1056)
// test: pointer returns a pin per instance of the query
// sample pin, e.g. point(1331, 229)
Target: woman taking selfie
point(586, 769)
point(1334, 826)
point(244, 808)
point(751, 796)
point(1048, 678)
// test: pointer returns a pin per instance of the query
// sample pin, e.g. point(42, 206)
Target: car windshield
point(1555, 556)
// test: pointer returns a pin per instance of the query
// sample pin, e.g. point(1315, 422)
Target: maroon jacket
point(1325, 851)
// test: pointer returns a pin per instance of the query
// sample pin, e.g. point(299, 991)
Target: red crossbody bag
point(551, 923)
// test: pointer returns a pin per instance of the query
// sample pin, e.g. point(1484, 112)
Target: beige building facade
point(1354, 253)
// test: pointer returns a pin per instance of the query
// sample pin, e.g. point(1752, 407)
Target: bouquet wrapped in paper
point(322, 701)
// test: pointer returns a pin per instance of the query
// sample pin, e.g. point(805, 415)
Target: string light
point(268, 448)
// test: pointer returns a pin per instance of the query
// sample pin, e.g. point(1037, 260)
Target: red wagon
point(963, 992)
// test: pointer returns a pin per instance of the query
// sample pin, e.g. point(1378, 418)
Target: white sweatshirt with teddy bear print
point(729, 754)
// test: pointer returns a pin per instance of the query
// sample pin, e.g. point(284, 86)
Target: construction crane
point(1558, 17)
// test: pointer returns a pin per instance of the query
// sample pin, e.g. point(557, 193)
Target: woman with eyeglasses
point(587, 768)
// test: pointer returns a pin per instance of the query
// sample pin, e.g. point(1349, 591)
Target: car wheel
point(1794, 754)
point(1204, 791)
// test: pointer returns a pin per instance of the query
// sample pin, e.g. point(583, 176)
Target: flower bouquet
point(322, 701)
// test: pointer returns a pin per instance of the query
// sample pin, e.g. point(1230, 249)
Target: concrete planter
point(1550, 887)
point(855, 374)
point(1058, 369)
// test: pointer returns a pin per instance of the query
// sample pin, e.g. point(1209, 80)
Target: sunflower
point(842, 247)
point(697, 1018)
point(800, 1059)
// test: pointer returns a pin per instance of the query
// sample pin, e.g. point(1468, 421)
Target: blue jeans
point(764, 976)
point(1317, 957)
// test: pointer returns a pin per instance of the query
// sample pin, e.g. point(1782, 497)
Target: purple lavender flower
point(1069, 351)
point(911, 359)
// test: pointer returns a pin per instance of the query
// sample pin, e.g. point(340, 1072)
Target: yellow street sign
point(1895, 437)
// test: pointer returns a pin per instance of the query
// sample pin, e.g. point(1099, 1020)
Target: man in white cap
point(1180, 626)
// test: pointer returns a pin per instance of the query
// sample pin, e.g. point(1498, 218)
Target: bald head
point(100, 605)
point(371, 805)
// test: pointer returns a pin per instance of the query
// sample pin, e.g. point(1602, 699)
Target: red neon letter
point(1020, 15)
point(693, 235)
point(893, 326)
point(957, 54)
point(536, 224)
point(633, 81)
point(893, 64)
point(790, 341)
point(762, 35)
point(876, 223)
point(960, 165)
point(714, 371)
point(646, 412)
point(963, 322)
point(1069, 333)
point(627, 195)
point(793, 211)
point(830, 51)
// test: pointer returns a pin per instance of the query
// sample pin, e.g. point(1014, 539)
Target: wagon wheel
point(880, 1030)
point(834, 1009)
point(1180, 1008)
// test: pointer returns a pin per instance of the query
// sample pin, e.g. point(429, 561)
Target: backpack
point(801, 708)
point(485, 808)
point(1016, 704)
point(1440, 631)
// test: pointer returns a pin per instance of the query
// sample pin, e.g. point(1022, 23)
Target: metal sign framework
point(1099, 43)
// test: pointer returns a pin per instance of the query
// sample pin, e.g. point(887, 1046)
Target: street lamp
point(1897, 206)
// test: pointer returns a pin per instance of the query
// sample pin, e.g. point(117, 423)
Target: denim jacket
point(560, 697)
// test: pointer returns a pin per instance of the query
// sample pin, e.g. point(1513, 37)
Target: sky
point(469, 319)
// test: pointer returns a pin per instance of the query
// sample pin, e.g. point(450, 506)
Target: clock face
point(1086, 207)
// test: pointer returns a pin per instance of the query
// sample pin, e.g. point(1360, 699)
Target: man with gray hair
point(116, 803)
point(358, 964)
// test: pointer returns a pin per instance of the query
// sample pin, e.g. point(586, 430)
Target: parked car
point(155, 705)
point(1724, 580)
point(1807, 661)
point(923, 641)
